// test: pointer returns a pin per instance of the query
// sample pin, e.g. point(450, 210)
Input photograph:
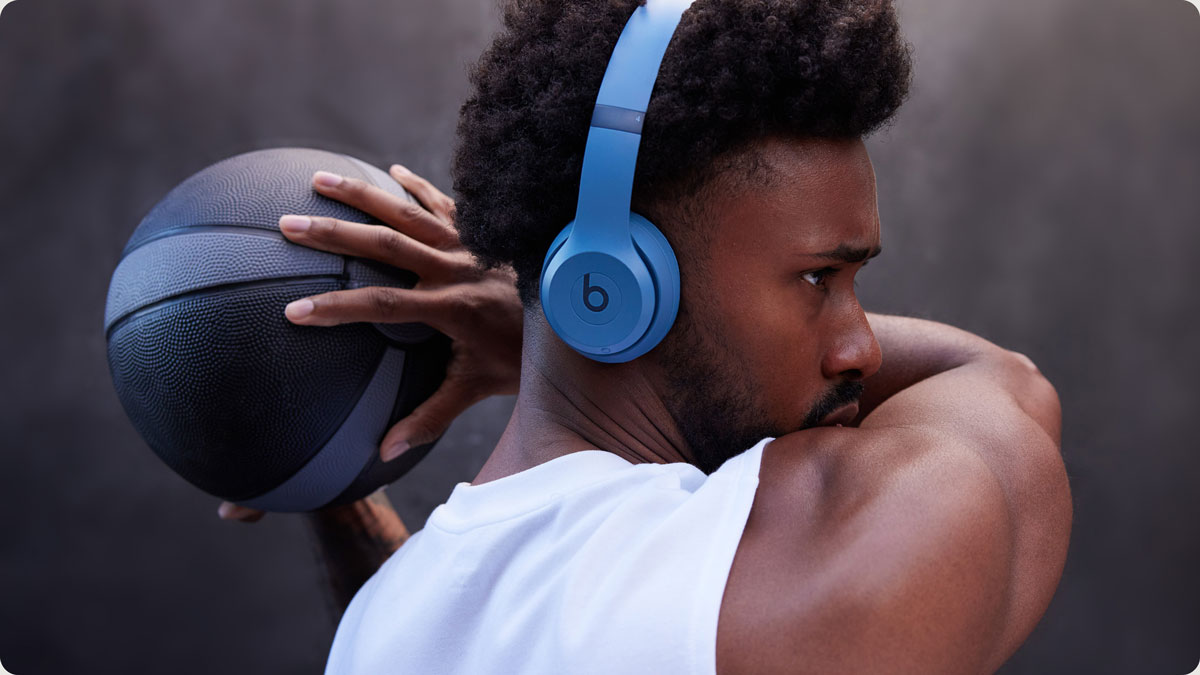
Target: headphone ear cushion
point(660, 259)
point(553, 250)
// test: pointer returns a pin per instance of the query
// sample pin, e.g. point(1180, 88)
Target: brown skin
point(928, 539)
point(765, 315)
point(778, 336)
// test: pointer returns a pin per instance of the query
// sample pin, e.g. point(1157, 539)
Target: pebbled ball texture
point(252, 190)
point(231, 395)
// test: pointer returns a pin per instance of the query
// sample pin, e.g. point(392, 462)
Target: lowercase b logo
point(589, 290)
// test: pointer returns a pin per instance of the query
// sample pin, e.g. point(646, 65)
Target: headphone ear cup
point(662, 276)
point(660, 259)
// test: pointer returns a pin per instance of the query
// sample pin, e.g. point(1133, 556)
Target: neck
point(568, 403)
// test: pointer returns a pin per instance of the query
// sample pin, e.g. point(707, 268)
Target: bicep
point(917, 579)
point(931, 539)
point(1008, 416)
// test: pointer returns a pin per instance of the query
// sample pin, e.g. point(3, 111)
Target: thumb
point(430, 419)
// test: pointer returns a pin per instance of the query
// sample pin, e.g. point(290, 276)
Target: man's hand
point(478, 309)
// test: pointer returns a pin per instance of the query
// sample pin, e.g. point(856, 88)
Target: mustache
point(844, 393)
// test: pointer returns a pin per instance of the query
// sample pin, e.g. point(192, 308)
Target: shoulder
point(891, 548)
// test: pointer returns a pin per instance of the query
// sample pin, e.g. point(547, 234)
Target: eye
point(818, 277)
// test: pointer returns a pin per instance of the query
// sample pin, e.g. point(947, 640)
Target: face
point(770, 337)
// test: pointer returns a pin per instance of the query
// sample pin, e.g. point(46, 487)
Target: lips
point(840, 417)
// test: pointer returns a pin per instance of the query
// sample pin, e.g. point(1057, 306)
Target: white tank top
point(583, 564)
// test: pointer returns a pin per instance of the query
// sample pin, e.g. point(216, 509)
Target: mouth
point(840, 417)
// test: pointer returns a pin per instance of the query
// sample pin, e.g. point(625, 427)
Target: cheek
point(770, 331)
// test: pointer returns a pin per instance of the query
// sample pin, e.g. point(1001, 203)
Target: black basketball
point(231, 395)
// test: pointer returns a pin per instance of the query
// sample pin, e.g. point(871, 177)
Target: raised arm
point(915, 350)
point(928, 540)
point(995, 408)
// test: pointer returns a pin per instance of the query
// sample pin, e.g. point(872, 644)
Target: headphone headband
point(633, 67)
point(610, 157)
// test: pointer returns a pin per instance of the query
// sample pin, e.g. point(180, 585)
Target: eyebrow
point(848, 254)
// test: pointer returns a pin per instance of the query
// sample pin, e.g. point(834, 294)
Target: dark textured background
point(1041, 187)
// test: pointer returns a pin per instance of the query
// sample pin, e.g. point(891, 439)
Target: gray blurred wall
point(1041, 187)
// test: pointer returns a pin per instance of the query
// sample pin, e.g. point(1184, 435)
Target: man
point(786, 483)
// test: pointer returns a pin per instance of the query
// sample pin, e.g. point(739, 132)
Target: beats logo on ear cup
point(589, 289)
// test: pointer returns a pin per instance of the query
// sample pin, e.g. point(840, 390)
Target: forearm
point(915, 350)
point(352, 541)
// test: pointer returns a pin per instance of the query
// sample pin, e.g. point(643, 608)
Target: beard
point(715, 405)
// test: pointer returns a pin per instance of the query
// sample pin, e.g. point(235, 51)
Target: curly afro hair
point(736, 72)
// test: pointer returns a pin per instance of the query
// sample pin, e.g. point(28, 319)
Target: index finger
point(437, 308)
point(404, 215)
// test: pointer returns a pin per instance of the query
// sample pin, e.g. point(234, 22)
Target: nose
point(854, 352)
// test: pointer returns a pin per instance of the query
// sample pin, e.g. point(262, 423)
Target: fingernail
point(395, 450)
point(295, 224)
point(327, 179)
point(298, 309)
point(399, 169)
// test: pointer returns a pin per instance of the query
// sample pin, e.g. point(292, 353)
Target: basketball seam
point(273, 282)
point(255, 230)
point(321, 446)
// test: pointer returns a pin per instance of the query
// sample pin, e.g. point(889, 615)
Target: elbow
point(1036, 395)
point(1025, 362)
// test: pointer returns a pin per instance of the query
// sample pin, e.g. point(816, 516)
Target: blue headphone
point(610, 282)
